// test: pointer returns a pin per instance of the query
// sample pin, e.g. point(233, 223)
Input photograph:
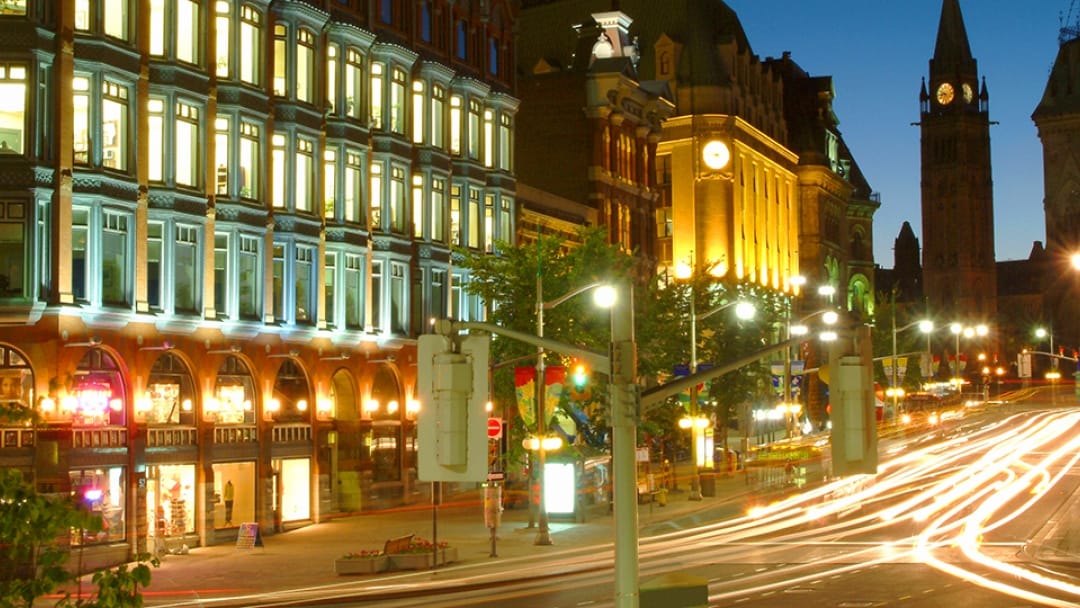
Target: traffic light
point(580, 390)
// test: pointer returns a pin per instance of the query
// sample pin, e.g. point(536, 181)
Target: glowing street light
point(603, 296)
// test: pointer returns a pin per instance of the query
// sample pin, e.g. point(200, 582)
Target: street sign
point(494, 428)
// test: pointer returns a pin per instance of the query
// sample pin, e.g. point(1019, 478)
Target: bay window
point(223, 27)
point(222, 157)
point(13, 249)
point(397, 101)
point(304, 284)
point(329, 211)
point(332, 78)
point(473, 143)
point(304, 174)
point(438, 210)
point(473, 220)
point(399, 305)
point(376, 294)
point(221, 275)
point(506, 142)
point(80, 107)
point(13, 92)
point(250, 160)
point(418, 112)
point(397, 199)
point(489, 138)
point(376, 196)
point(305, 66)
point(329, 281)
point(438, 120)
point(418, 206)
point(455, 124)
point(187, 144)
point(186, 254)
point(277, 167)
point(377, 95)
point(354, 291)
point(250, 51)
point(188, 35)
point(354, 187)
point(249, 269)
point(155, 108)
point(354, 84)
point(114, 125)
point(115, 256)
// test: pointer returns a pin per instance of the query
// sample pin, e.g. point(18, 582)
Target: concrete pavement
point(304, 557)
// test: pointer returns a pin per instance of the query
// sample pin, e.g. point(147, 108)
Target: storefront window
point(295, 497)
point(170, 393)
point(97, 398)
point(234, 395)
point(170, 499)
point(101, 492)
point(234, 494)
point(291, 392)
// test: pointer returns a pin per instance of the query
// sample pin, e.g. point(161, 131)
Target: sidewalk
point(304, 557)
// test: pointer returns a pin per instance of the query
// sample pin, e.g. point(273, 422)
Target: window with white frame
point(438, 210)
point(277, 167)
point(304, 174)
point(438, 120)
point(418, 206)
point(473, 221)
point(437, 295)
point(473, 142)
point(329, 283)
point(250, 54)
point(332, 91)
point(398, 101)
point(376, 294)
point(330, 172)
point(281, 60)
point(376, 196)
point(278, 278)
point(155, 109)
point(506, 219)
point(115, 257)
point(397, 199)
point(304, 284)
point(157, 28)
point(455, 216)
point(455, 124)
point(100, 126)
point(489, 138)
point(80, 108)
point(188, 31)
point(418, 111)
point(249, 271)
point(112, 14)
point(506, 142)
point(354, 291)
point(155, 247)
point(399, 304)
point(222, 157)
point(223, 35)
point(354, 83)
point(250, 160)
point(186, 254)
point(221, 275)
point(80, 237)
point(13, 92)
point(457, 296)
point(377, 95)
point(489, 223)
point(305, 65)
point(354, 188)
point(187, 144)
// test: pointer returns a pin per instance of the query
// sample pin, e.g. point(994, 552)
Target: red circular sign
point(494, 428)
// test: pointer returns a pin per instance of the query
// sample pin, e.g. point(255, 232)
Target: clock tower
point(959, 272)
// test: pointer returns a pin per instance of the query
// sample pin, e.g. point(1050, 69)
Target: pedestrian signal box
point(451, 425)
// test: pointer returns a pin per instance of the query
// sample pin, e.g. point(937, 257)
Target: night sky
point(877, 52)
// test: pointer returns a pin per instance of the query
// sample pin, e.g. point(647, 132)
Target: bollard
point(674, 590)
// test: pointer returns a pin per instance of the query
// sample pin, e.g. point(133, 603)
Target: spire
point(952, 52)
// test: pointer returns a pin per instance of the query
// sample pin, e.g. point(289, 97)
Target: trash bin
point(708, 484)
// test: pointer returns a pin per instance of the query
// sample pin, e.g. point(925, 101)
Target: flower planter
point(422, 561)
point(361, 565)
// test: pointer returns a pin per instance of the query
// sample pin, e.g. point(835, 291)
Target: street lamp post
point(969, 332)
point(926, 326)
point(744, 310)
point(543, 535)
point(1041, 333)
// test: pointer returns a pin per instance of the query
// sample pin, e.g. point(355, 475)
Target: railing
point(16, 438)
point(171, 436)
point(236, 434)
point(292, 432)
point(105, 437)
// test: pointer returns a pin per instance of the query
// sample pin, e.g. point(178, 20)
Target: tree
point(34, 552)
point(507, 283)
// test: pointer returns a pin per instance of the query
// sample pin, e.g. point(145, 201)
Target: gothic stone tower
point(959, 275)
point(1057, 118)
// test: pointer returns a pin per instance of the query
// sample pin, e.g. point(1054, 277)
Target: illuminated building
point(223, 226)
point(746, 185)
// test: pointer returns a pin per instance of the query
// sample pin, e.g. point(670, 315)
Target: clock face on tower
point(968, 93)
point(945, 94)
